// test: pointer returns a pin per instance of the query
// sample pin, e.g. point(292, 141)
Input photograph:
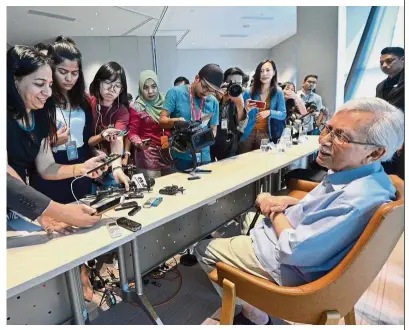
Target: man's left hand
point(51, 225)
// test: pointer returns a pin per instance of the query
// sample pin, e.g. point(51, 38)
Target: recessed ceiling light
point(92, 28)
point(96, 13)
point(108, 28)
point(193, 43)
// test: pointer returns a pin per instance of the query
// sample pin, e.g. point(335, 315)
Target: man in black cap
point(186, 103)
point(392, 90)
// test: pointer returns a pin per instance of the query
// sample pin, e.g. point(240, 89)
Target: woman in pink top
point(144, 131)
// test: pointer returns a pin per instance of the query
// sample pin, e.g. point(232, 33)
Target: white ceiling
point(206, 27)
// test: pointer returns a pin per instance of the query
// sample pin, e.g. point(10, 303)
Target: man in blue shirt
point(186, 103)
point(300, 241)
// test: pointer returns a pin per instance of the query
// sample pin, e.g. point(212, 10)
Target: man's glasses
point(341, 139)
point(206, 87)
point(107, 85)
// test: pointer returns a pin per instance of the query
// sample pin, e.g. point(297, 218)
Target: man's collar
point(340, 179)
point(306, 94)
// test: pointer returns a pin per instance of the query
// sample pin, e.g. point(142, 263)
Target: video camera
point(190, 136)
point(312, 106)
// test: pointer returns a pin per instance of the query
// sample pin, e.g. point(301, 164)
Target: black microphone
point(150, 182)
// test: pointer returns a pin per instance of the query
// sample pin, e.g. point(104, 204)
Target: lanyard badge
point(72, 151)
point(71, 146)
point(195, 115)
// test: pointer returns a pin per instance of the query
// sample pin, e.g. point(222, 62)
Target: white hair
point(386, 127)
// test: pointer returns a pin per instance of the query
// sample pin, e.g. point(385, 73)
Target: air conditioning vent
point(40, 13)
point(233, 35)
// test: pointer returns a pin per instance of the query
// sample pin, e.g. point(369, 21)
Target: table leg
point(143, 301)
point(122, 270)
point(76, 296)
point(270, 183)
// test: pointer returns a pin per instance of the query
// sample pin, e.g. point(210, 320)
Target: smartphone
point(259, 104)
point(149, 202)
point(114, 230)
point(134, 195)
point(123, 133)
point(128, 224)
point(105, 162)
point(126, 205)
point(135, 210)
point(157, 201)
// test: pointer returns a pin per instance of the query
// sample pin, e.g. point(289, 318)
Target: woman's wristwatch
point(127, 153)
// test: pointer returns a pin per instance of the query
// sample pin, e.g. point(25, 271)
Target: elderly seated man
point(299, 241)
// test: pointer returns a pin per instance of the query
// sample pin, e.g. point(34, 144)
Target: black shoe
point(240, 319)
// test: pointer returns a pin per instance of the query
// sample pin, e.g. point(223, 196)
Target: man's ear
point(403, 58)
point(375, 155)
point(197, 77)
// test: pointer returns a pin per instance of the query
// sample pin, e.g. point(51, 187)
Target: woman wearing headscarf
point(144, 131)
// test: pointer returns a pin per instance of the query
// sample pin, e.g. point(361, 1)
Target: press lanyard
point(195, 115)
point(69, 120)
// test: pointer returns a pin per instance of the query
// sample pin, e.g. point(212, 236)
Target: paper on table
point(20, 223)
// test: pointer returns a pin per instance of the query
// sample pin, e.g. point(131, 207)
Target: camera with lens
point(234, 89)
point(190, 136)
point(312, 106)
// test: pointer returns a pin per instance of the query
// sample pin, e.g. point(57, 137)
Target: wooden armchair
point(328, 299)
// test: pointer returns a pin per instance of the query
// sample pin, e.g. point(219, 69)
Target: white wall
point(314, 49)
point(189, 62)
point(133, 53)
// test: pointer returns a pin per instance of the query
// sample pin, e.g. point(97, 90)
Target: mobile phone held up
point(128, 224)
point(259, 104)
point(123, 133)
point(146, 141)
point(105, 162)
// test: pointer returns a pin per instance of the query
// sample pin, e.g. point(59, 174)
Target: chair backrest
point(342, 287)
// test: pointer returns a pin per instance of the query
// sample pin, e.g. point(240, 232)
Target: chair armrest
point(303, 185)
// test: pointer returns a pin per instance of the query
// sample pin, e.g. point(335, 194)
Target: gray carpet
point(196, 301)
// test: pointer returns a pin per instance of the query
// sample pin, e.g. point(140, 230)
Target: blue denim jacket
point(278, 111)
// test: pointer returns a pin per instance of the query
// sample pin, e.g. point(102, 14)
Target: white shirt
point(76, 125)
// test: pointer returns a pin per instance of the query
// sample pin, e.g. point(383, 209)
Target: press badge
point(224, 124)
point(72, 152)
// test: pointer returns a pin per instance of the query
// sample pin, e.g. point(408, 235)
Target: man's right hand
point(269, 203)
point(79, 215)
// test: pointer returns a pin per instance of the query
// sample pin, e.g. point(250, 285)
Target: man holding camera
point(313, 102)
point(232, 115)
point(191, 103)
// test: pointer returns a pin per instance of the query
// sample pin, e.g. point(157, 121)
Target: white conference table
point(33, 259)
